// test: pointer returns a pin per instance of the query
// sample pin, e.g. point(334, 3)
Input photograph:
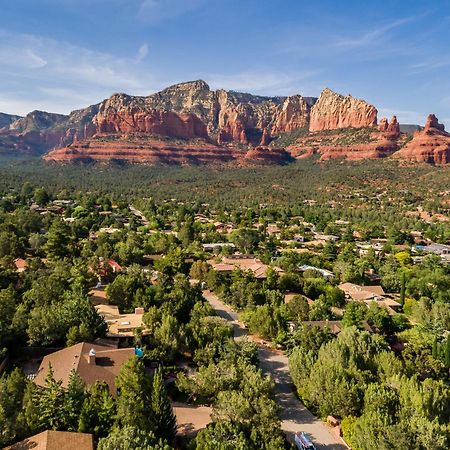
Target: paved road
point(294, 415)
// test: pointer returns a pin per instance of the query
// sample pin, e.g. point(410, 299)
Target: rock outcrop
point(7, 119)
point(39, 131)
point(430, 145)
point(228, 116)
point(142, 149)
point(391, 129)
point(333, 111)
point(268, 155)
point(351, 144)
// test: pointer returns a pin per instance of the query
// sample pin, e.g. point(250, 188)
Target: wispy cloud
point(372, 37)
point(404, 116)
point(435, 62)
point(263, 81)
point(142, 52)
point(60, 76)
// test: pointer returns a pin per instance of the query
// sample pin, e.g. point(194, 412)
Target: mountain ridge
point(219, 122)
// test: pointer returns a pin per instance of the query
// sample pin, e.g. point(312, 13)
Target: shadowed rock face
point(333, 111)
point(7, 119)
point(430, 145)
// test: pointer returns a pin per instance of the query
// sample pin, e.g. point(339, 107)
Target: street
point(294, 415)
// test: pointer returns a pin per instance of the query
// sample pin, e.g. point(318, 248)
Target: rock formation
point(268, 155)
point(265, 138)
point(143, 149)
point(333, 111)
point(430, 145)
point(391, 129)
point(352, 143)
point(190, 123)
point(7, 119)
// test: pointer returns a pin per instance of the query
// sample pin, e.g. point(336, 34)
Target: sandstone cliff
point(430, 145)
point(333, 111)
point(349, 143)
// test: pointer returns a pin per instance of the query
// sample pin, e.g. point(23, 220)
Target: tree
point(354, 314)
point(131, 438)
point(134, 406)
point(223, 435)
point(298, 308)
point(164, 417)
point(12, 389)
point(58, 239)
point(245, 239)
point(98, 412)
point(41, 196)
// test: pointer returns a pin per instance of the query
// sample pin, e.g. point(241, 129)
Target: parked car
point(303, 442)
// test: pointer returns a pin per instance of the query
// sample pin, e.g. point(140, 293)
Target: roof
point(357, 292)
point(120, 324)
point(106, 365)
point(245, 263)
point(335, 326)
point(55, 440)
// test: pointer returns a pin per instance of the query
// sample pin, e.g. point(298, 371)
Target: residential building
point(55, 440)
point(92, 362)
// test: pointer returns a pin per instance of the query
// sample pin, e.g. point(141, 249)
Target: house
point(325, 237)
point(217, 245)
point(438, 249)
point(391, 305)
point(55, 440)
point(361, 293)
point(92, 362)
point(121, 325)
point(245, 263)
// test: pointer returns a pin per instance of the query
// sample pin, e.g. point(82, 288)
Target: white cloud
point(403, 116)
point(372, 37)
point(142, 52)
point(264, 82)
point(43, 73)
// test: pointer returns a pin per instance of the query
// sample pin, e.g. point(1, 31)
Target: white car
point(302, 442)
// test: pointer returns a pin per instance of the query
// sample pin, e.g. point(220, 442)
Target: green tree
point(132, 438)
point(98, 412)
point(164, 417)
point(134, 407)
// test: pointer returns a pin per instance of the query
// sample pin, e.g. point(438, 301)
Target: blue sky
point(59, 55)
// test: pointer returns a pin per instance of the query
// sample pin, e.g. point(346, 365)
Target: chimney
point(91, 356)
point(139, 310)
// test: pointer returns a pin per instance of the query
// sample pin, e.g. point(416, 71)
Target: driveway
point(294, 415)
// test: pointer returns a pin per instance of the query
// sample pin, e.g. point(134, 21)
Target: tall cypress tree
point(164, 416)
point(403, 289)
point(447, 352)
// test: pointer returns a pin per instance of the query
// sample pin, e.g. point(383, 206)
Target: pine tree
point(434, 349)
point(134, 399)
point(98, 412)
point(447, 352)
point(51, 403)
point(403, 289)
point(75, 395)
point(162, 409)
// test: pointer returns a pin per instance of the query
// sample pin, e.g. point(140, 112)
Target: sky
point(61, 55)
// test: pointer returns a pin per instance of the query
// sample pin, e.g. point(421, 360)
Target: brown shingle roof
point(106, 367)
point(55, 440)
